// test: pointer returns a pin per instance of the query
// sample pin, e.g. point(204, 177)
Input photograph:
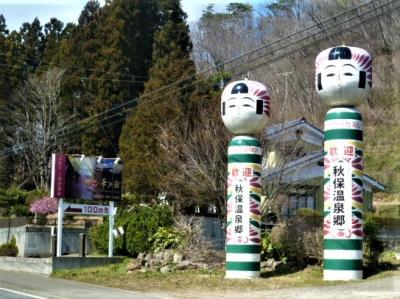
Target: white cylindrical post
point(110, 230)
point(53, 176)
point(245, 108)
point(343, 80)
point(60, 217)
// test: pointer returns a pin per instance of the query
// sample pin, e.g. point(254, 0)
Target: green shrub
point(167, 238)
point(267, 248)
point(15, 201)
point(143, 223)
point(308, 212)
point(99, 237)
point(140, 223)
point(382, 220)
point(373, 247)
point(20, 210)
point(297, 239)
point(287, 242)
point(10, 248)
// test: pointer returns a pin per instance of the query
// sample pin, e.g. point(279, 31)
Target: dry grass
point(185, 282)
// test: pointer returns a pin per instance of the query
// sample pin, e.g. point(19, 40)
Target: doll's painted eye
point(247, 105)
point(231, 106)
point(348, 74)
point(330, 75)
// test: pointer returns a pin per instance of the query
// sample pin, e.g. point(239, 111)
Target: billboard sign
point(107, 177)
point(89, 178)
point(94, 178)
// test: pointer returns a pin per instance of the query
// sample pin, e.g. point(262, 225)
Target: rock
point(141, 256)
point(135, 265)
point(153, 263)
point(168, 256)
point(264, 264)
point(186, 265)
point(156, 256)
point(143, 270)
point(165, 269)
point(183, 266)
point(164, 263)
point(270, 263)
point(148, 257)
point(178, 257)
point(147, 265)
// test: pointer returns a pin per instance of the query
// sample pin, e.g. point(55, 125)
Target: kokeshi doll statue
point(245, 109)
point(343, 80)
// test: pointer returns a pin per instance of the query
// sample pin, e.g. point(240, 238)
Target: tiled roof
point(282, 127)
point(307, 160)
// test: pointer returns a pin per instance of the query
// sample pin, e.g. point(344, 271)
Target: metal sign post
point(106, 175)
point(98, 210)
point(60, 217)
point(110, 230)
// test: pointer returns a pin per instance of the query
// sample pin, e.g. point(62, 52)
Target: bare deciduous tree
point(38, 122)
point(197, 163)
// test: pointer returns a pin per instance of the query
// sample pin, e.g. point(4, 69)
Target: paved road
point(43, 286)
point(11, 294)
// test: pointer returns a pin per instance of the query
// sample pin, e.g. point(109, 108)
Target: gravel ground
point(385, 288)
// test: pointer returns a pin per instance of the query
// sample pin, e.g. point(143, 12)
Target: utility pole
point(285, 100)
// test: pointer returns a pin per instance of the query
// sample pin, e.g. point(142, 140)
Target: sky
point(17, 12)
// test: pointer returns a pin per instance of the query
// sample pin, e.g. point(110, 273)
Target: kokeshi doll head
point(343, 76)
point(245, 107)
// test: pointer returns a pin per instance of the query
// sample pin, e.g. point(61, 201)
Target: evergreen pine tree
point(33, 44)
point(124, 39)
point(5, 160)
point(162, 101)
point(53, 33)
point(4, 90)
point(77, 51)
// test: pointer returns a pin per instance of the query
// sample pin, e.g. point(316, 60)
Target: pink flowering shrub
point(44, 206)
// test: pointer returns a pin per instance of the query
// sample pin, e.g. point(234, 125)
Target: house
point(294, 166)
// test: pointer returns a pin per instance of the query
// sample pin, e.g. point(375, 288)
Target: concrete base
point(35, 241)
point(49, 265)
point(63, 263)
point(235, 274)
point(342, 275)
point(27, 264)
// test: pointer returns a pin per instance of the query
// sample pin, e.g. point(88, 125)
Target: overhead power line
point(286, 46)
point(312, 35)
point(327, 29)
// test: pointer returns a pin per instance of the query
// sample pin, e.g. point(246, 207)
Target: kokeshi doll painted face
point(343, 76)
point(245, 107)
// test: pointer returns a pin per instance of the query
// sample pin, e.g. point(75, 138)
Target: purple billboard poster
point(59, 175)
point(94, 178)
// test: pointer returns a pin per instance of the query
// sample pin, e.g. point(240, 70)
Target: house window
point(311, 202)
point(302, 202)
point(298, 202)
